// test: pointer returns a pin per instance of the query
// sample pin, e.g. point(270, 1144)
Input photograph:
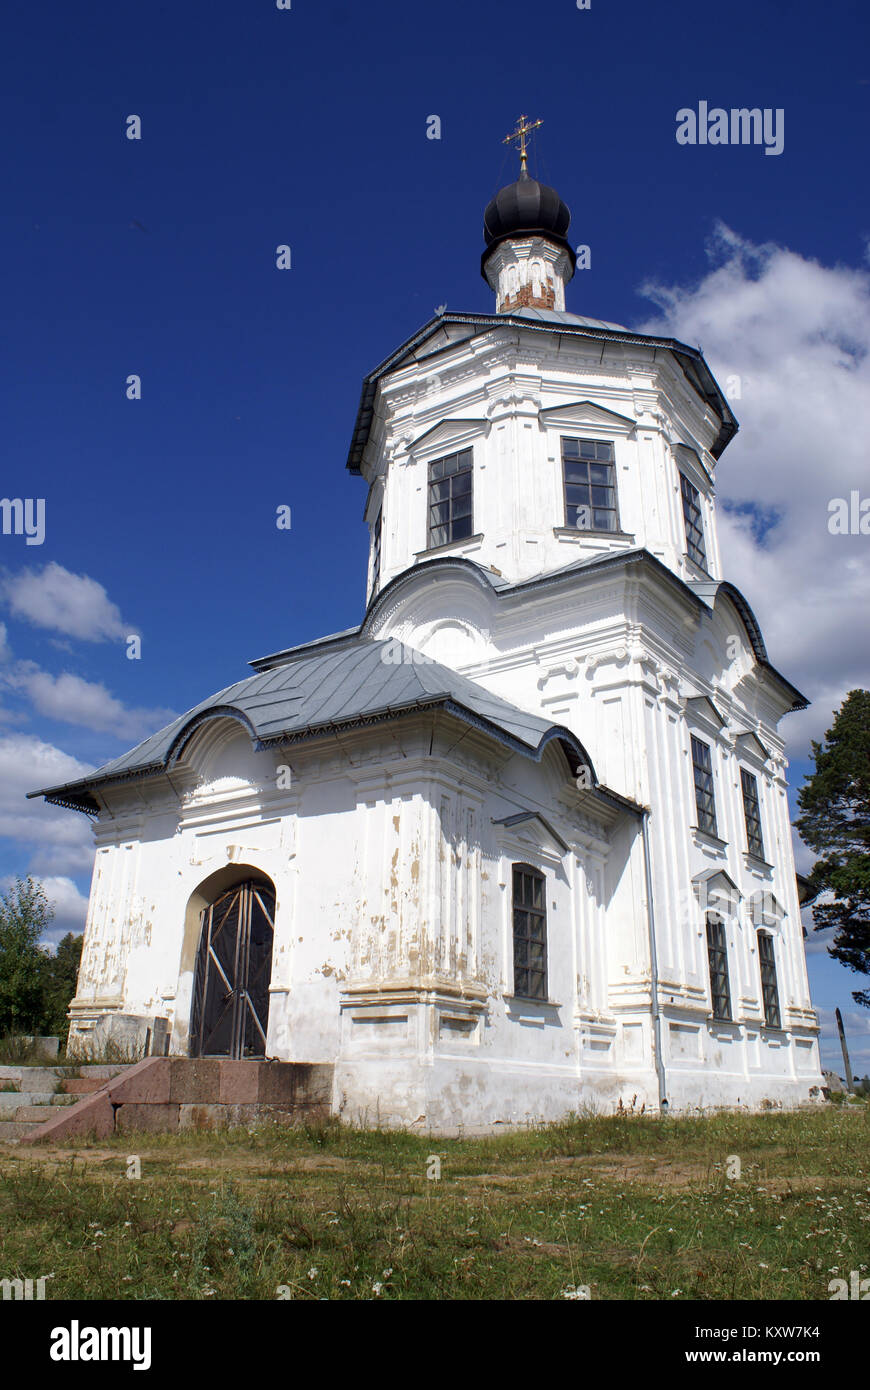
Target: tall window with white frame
point(530, 932)
point(376, 549)
point(589, 478)
point(450, 498)
point(717, 954)
point(694, 521)
point(752, 814)
point(769, 989)
point(705, 800)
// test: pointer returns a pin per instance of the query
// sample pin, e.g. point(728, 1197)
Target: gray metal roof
point(357, 682)
point(562, 316)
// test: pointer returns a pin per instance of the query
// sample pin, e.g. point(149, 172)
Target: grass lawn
point(628, 1206)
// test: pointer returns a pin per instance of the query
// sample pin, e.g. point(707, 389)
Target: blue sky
point(307, 127)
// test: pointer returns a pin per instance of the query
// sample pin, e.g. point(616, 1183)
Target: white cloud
point(74, 700)
point(797, 334)
point(61, 601)
point(87, 703)
point(54, 841)
point(70, 905)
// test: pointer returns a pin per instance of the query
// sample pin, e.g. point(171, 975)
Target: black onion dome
point(527, 208)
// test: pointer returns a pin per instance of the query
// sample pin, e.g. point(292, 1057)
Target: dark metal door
point(233, 970)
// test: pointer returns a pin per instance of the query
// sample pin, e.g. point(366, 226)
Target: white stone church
point(518, 843)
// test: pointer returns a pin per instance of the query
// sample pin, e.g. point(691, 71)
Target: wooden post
point(850, 1086)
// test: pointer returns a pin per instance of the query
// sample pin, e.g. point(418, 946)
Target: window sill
point(448, 545)
point(578, 533)
point(522, 1000)
point(707, 838)
point(754, 862)
point(696, 571)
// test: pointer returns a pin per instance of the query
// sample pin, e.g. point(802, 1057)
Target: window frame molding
point(766, 932)
point(451, 436)
point(721, 924)
point(374, 509)
point(698, 502)
point(565, 528)
point(698, 827)
point(758, 858)
point(538, 874)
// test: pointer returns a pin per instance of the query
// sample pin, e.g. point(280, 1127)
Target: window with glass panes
point(376, 549)
point(752, 813)
point(694, 522)
point(717, 952)
point(702, 770)
point(590, 484)
point(450, 498)
point(769, 990)
point(530, 932)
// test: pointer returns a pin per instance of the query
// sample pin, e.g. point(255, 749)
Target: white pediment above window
point(448, 437)
point(576, 415)
point(764, 909)
point(543, 835)
point(692, 464)
point(749, 743)
point(717, 892)
point(701, 709)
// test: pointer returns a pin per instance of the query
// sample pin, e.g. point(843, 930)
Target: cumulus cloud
point(74, 700)
point(72, 604)
point(51, 840)
point(87, 703)
point(70, 905)
point(789, 339)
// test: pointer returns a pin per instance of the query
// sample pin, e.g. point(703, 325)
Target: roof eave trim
point(711, 390)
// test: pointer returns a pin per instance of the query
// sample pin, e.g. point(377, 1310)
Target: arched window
point(769, 990)
point(717, 953)
point(530, 932)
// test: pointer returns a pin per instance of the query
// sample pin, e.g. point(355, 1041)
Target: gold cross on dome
point(524, 128)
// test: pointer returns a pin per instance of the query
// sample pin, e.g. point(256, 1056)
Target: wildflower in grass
point(377, 1290)
point(345, 1282)
point(385, 1274)
point(313, 1272)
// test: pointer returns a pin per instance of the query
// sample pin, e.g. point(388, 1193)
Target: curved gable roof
point(354, 684)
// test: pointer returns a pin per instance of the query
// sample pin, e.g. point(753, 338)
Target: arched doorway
point(230, 1013)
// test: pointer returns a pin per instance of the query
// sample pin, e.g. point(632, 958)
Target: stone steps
point(13, 1131)
point(168, 1094)
point(39, 1112)
point(36, 1097)
point(81, 1085)
point(10, 1101)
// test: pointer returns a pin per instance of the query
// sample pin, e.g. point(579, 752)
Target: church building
point(519, 843)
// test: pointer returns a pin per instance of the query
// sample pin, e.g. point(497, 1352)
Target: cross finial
point(524, 128)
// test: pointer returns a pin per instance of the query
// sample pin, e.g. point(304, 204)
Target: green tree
point(25, 912)
point(61, 977)
point(835, 802)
